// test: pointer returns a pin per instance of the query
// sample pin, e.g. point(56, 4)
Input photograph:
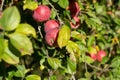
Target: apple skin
point(100, 55)
point(74, 8)
point(93, 56)
point(77, 24)
point(42, 13)
point(51, 36)
point(51, 24)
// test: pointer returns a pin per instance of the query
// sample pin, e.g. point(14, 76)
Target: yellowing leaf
point(8, 56)
point(73, 49)
point(63, 36)
point(26, 29)
point(22, 43)
point(33, 77)
point(32, 5)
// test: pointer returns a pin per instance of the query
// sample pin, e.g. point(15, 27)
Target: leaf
point(88, 59)
point(10, 18)
point(8, 56)
point(54, 62)
point(53, 14)
point(33, 77)
point(20, 71)
point(71, 66)
point(91, 41)
point(63, 3)
point(26, 29)
point(54, 0)
point(2, 46)
point(28, 4)
point(73, 49)
point(63, 36)
point(115, 62)
point(22, 43)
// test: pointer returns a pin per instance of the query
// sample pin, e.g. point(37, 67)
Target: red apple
point(51, 36)
point(93, 56)
point(76, 24)
point(100, 55)
point(51, 24)
point(41, 13)
point(74, 8)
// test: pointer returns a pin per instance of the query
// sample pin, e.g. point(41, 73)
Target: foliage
point(25, 55)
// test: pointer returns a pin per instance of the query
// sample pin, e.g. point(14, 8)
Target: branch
point(61, 22)
point(1, 7)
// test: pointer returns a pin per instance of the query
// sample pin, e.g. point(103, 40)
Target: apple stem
point(1, 8)
point(39, 29)
point(61, 22)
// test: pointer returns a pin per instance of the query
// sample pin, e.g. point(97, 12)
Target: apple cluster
point(51, 27)
point(98, 56)
point(74, 11)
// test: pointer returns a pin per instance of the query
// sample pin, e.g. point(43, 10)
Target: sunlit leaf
point(22, 43)
point(26, 29)
point(8, 56)
point(63, 36)
point(2, 46)
point(63, 3)
point(55, 0)
point(28, 4)
point(33, 77)
point(10, 18)
point(54, 62)
point(73, 49)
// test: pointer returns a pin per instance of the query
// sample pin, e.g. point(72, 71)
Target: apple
point(51, 24)
point(51, 36)
point(42, 13)
point(93, 56)
point(76, 24)
point(100, 55)
point(74, 8)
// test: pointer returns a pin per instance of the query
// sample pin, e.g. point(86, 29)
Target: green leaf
point(71, 66)
point(54, 62)
point(91, 40)
point(63, 36)
point(20, 71)
point(73, 49)
point(53, 14)
point(22, 43)
point(10, 18)
point(8, 56)
point(54, 0)
point(26, 29)
point(88, 59)
point(33, 77)
point(2, 46)
point(63, 3)
point(28, 4)
point(115, 62)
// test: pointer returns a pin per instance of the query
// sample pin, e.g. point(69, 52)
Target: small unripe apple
point(76, 24)
point(41, 13)
point(51, 36)
point(51, 24)
point(100, 55)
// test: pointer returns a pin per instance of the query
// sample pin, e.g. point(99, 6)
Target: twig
point(1, 7)
point(39, 29)
point(94, 67)
point(61, 22)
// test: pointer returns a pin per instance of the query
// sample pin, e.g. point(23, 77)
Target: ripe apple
point(51, 24)
point(74, 8)
point(41, 13)
point(100, 55)
point(93, 56)
point(76, 24)
point(51, 36)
